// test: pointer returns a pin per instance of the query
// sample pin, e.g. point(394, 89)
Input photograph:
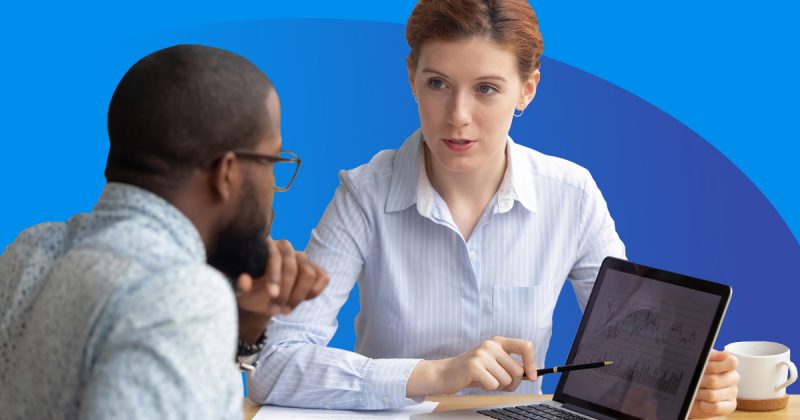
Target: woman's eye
point(436, 83)
point(487, 90)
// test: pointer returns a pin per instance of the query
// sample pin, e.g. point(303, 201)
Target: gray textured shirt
point(115, 314)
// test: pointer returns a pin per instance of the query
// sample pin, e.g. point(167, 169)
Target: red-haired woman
point(461, 240)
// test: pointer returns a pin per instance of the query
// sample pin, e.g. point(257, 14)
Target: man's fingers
point(288, 272)
point(273, 289)
point(273, 269)
point(244, 283)
point(274, 261)
point(298, 278)
point(320, 284)
point(305, 280)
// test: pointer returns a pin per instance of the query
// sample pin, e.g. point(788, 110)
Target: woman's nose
point(460, 113)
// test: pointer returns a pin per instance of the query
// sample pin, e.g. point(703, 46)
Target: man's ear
point(225, 177)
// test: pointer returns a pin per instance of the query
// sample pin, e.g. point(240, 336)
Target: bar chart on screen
point(651, 336)
point(660, 379)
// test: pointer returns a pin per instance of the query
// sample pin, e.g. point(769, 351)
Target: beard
point(241, 247)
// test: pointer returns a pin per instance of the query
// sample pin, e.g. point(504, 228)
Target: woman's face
point(467, 92)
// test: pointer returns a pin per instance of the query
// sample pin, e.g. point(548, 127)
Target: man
point(125, 311)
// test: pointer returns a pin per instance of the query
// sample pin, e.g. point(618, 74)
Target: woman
point(461, 240)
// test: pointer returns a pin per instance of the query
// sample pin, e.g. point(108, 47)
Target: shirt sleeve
point(597, 239)
point(165, 350)
point(296, 368)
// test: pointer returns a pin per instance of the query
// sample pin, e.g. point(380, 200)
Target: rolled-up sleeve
point(296, 368)
point(597, 239)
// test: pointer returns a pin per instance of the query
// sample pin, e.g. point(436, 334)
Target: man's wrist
point(251, 326)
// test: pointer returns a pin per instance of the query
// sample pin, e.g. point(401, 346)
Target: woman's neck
point(466, 194)
point(480, 183)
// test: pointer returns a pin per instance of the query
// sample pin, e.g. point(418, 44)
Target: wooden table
point(447, 403)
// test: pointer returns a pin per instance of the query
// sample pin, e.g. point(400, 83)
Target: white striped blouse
point(425, 293)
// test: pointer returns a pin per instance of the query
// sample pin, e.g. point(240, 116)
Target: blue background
point(685, 114)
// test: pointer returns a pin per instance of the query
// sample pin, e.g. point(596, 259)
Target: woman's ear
point(529, 88)
point(410, 68)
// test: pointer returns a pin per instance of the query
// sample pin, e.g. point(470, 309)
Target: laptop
point(658, 328)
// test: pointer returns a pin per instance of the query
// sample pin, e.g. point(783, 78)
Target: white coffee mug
point(763, 368)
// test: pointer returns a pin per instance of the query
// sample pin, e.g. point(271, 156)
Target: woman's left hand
point(718, 387)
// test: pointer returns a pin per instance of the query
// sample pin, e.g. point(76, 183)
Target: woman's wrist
point(424, 379)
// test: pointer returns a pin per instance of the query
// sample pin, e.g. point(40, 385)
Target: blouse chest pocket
point(524, 312)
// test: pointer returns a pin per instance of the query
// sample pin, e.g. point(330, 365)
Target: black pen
point(567, 368)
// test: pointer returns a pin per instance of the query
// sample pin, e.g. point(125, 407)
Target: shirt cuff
point(385, 383)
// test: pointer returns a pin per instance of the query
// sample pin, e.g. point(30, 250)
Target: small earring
point(415, 99)
point(521, 111)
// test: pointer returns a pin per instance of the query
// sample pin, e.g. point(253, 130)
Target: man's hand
point(718, 387)
point(488, 366)
point(290, 278)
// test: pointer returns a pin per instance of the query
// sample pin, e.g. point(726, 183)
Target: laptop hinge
point(586, 412)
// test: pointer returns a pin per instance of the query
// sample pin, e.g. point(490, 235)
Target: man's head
point(174, 122)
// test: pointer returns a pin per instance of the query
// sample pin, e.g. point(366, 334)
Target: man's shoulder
point(186, 303)
point(104, 276)
point(137, 259)
point(47, 235)
point(184, 287)
point(31, 254)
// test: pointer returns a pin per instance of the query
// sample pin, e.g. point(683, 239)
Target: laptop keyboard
point(535, 411)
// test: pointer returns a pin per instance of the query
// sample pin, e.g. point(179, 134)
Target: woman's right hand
point(488, 366)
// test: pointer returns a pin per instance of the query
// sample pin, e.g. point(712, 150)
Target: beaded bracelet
point(247, 349)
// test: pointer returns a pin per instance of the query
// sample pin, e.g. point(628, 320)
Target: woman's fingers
point(719, 380)
point(721, 361)
point(523, 348)
point(501, 376)
point(482, 375)
point(715, 395)
point(493, 357)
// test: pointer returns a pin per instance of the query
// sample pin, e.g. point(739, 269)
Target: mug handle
point(792, 374)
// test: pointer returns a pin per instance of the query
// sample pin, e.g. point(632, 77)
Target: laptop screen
point(655, 332)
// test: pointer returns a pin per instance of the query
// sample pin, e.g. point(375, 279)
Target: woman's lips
point(458, 145)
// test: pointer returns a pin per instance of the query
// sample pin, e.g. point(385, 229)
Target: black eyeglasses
point(285, 166)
